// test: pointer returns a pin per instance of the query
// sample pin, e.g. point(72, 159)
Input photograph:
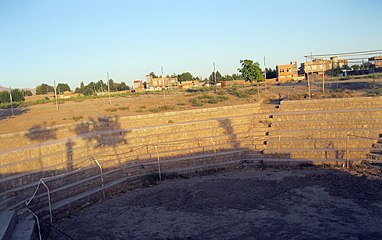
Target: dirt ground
point(241, 204)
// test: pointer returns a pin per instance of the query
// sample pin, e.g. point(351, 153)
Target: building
point(319, 65)
point(376, 61)
point(137, 84)
point(338, 63)
point(189, 84)
point(287, 72)
point(161, 82)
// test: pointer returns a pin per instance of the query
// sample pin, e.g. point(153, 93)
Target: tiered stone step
point(332, 103)
point(127, 153)
point(319, 129)
point(375, 154)
point(64, 198)
point(36, 136)
point(25, 229)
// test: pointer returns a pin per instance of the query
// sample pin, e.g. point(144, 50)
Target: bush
point(205, 98)
point(161, 108)
point(77, 118)
point(88, 92)
point(124, 108)
point(111, 109)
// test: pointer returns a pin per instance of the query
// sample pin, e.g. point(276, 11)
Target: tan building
point(189, 84)
point(338, 62)
point(137, 84)
point(287, 72)
point(376, 61)
point(318, 66)
point(161, 82)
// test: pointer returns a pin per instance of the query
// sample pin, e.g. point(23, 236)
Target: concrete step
point(324, 133)
point(318, 104)
point(328, 124)
point(82, 198)
point(338, 143)
point(25, 229)
point(8, 220)
point(374, 156)
point(26, 189)
point(319, 154)
point(327, 115)
point(70, 188)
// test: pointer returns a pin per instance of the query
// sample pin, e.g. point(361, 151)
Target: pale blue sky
point(80, 40)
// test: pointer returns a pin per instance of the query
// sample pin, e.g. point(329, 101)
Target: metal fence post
point(49, 201)
point(347, 152)
point(102, 180)
point(158, 162)
point(279, 149)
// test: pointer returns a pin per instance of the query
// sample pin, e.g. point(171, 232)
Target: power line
point(368, 52)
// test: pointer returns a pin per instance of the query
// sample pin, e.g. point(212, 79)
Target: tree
point(88, 92)
point(152, 74)
point(27, 92)
point(186, 76)
point(271, 73)
point(62, 87)
point(44, 89)
point(355, 67)
point(4, 97)
point(252, 72)
point(212, 76)
point(17, 95)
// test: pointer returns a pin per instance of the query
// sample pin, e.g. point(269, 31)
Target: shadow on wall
point(41, 134)
point(105, 130)
point(226, 124)
point(7, 113)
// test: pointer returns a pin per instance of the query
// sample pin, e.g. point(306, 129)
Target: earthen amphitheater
point(65, 172)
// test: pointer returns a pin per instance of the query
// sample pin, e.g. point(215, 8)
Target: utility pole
point(10, 97)
point(108, 86)
point(55, 95)
point(308, 76)
point(214, 75)
point(265, 71)
point(164, 85)
point(265, 75)
point(323, 81)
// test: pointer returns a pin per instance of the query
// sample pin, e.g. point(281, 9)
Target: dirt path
point(244, 204)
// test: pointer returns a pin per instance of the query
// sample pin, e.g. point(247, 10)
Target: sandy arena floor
point(243, 204)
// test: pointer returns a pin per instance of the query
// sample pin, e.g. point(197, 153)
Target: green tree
point(355, 67)
point(4, 97)
point(62, 87)
point(271, 73)
point(27, 92)
point(186, 76)
point(252, 72)
point(88, 91)
point(211, 78)
point(17, 95)
point(44, 89)
point(152, 74)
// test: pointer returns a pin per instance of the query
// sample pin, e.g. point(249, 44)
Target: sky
point(70, 41)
